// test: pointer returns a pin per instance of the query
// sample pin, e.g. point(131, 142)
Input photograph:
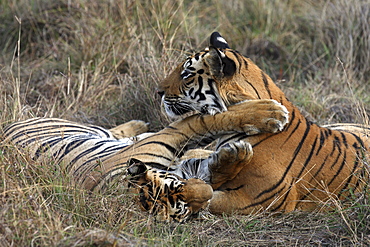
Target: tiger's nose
point(160, 93)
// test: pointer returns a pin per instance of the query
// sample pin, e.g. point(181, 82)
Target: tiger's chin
point(175, 116)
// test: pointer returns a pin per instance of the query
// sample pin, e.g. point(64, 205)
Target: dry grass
point(100, 61)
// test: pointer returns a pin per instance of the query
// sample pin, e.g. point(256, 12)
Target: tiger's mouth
point(176, 110)
point(210, 110)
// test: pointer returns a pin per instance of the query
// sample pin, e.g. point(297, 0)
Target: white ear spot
point(222, 40)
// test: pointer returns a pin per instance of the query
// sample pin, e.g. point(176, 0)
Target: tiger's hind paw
point(233, 152)
point(227, 162)
point(129, 129)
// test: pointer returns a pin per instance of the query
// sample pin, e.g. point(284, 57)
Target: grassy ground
point(100, 61)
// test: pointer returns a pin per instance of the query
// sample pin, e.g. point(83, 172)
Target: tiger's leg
point(240, 200)
point(232, 201)
point(129, 129)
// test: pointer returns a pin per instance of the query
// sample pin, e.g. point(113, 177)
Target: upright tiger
point(293, 169)
point(93, 157)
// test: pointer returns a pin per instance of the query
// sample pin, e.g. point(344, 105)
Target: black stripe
point(236, 188)
point(104, 153)
point(321, 167)
point(231, 138)
point(45, 131)
point(254, 89)
point(153, 155)
point(339, 170)
point(277, 207)
point(187, 85)
point(293, 131)
point(175, 132)
point(167, 146)
point(82, 155)
point(71, 146)
point(355, 165)
point(296, 152)
point(24, 124)
point(268, 136)
point(198, 139)
point(45, 126)
point(245, 64)
point(290, 120)
point(314, 176)
point(344, 139)
point(265, 200)
point(328, 132)
point(239, 58)
point(308, 159)
point(336, 160)
point(159, 166)
point(100, 129)
point(199, 91)
point(361, 176)
point(359, 140)
point(322, 141)
point(335, 146)
point(47, 144)
point(265, 82)
point(117, 147)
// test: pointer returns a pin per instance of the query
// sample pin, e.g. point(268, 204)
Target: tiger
point(94, 157)
point(302, 167)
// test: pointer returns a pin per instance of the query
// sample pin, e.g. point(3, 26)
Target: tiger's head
point(166, 195)
point(213, 79)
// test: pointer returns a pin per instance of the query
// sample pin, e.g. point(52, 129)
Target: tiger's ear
point(219, 64)
point(217, 41)
point(136, 167)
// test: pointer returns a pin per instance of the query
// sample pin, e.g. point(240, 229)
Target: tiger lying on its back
point(93, 157)
point(293, 169)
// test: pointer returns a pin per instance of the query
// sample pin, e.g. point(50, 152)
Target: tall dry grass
point(100, 61)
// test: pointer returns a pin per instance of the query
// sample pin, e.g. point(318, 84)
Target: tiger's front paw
point(262, 116)
point(129, 129)
point(276, 118)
